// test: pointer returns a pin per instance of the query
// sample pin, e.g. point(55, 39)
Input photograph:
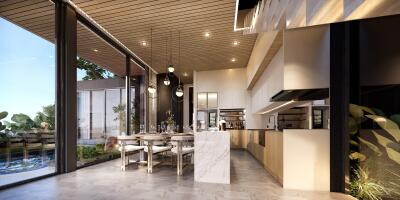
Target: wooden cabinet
point(238, 139)
point(274, 154)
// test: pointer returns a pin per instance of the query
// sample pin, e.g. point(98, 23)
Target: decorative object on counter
point(235, 118)
point(170, 121)
point(222, 125)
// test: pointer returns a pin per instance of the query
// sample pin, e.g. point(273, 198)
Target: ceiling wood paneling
point(130, 22)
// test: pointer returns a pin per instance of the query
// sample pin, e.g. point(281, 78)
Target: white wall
point(306, 159)
point(270, 83)
point(260, 50)
point(307, 57)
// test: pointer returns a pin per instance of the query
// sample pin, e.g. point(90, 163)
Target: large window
point(27, 102)
point(374, 117)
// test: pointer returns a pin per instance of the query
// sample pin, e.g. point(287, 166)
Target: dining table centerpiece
point(170, 122)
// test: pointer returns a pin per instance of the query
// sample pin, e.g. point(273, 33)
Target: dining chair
point(180, 150)
point(154, 144)
point(128, 147)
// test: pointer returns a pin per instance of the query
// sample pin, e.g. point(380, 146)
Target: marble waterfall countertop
point(212, 157)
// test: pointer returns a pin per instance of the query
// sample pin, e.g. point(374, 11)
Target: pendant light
point(166, 79)
point(170, 68)
point(151, 87)
point(179, 91)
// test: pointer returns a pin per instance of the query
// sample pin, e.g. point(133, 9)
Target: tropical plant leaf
point(395, 146)
point(393, 155)
point(353, 126)
point(371, 146)
point(379, 112)
point(356, 111)
point(354, 143)
point(382, 140)
point(3, 114)
point(388, 125)
point(368, 110)
point(357, 156)
point(396, 118)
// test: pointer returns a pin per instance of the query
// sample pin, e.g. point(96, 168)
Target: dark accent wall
point(190, 105)
point(167, 100)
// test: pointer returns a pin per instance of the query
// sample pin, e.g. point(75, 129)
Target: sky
point(27, 71)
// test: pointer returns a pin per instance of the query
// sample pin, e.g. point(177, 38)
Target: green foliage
point(170, 118)
point(46, 117)
point(120, 111)
point(21, 122)
point(365, 188)
point(86, 152)
point(93, 71)
point(2, 116)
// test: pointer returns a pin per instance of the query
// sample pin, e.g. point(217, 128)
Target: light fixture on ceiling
point(166, 80)
point(95, 50)
point(151, 88)
point(143, 43)
point(179, 91)
point(171, 68)
point(233, 59)
point(185, 74)
point(235, 43)
point(207, 34)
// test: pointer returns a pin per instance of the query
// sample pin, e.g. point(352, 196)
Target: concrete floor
point(106, 181)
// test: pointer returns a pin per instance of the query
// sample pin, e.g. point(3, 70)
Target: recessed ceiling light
point(143, 43)
point(185, 74)
point(207, 34)
point(233, 60)
point(95, 50)
point(235, 43)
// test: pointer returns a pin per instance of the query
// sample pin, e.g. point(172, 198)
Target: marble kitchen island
point(212, 157)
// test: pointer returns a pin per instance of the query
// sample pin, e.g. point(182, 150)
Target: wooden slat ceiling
point(130, 22)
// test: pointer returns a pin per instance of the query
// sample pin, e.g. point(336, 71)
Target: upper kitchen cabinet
point(306, 58)
point(301, 66)
point(229, 84)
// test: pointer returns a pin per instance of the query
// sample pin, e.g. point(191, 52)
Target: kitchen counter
point(212, 157)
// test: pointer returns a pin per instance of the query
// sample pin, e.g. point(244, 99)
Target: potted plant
point(170, 122)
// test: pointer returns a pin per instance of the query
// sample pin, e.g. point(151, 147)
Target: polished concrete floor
point(106, 181)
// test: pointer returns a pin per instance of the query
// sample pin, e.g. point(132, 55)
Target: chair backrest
point(186, 139)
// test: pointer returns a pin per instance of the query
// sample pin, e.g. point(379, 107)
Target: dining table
point(166, 137)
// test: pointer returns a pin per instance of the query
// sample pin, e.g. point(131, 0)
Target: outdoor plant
point(386, 147)
point(46, 118)
point(3, 131)
point(365, 188)
point(170, 118)
point(120, 111)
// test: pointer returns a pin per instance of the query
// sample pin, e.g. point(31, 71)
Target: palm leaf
point(371, 146)
point(388, 125)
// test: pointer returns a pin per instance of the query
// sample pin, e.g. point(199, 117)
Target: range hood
point(301, 95)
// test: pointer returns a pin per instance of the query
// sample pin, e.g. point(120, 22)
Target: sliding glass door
point(27, 100)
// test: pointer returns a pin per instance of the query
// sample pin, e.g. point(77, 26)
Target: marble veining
point(212, 157)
